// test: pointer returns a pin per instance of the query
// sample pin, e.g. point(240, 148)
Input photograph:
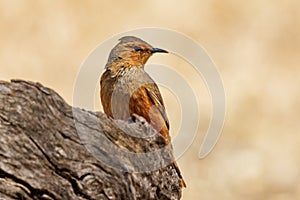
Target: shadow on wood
point(50, 150)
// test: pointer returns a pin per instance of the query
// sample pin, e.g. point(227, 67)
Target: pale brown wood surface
point(44, 156)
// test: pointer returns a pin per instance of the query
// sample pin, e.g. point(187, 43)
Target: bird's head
point(133, 51)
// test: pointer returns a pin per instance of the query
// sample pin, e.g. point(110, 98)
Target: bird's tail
point(183, 184)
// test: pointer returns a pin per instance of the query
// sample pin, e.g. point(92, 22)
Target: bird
point(127, 90)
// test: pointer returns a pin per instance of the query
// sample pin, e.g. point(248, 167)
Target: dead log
point(50, 150)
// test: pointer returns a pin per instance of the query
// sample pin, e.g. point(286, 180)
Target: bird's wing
point(156, 98)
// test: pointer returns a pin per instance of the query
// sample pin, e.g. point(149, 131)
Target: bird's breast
point(122, 87)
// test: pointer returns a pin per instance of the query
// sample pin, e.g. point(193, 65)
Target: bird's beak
point(158, 50)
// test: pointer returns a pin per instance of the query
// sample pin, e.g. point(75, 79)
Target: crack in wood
point(42, 156)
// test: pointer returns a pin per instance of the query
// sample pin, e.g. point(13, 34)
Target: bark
point(50, 150)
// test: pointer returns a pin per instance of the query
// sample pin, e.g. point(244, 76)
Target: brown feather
point(126, 89)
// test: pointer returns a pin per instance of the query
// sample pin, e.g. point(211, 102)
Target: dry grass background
point(255, 45)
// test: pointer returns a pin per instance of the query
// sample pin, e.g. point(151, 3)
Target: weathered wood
point(50, 150)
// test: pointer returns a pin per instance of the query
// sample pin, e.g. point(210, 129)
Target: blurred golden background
point(255, 45)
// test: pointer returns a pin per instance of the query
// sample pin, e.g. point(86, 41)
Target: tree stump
point(50, 150)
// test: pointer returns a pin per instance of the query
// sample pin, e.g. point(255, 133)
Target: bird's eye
point(136, 48)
